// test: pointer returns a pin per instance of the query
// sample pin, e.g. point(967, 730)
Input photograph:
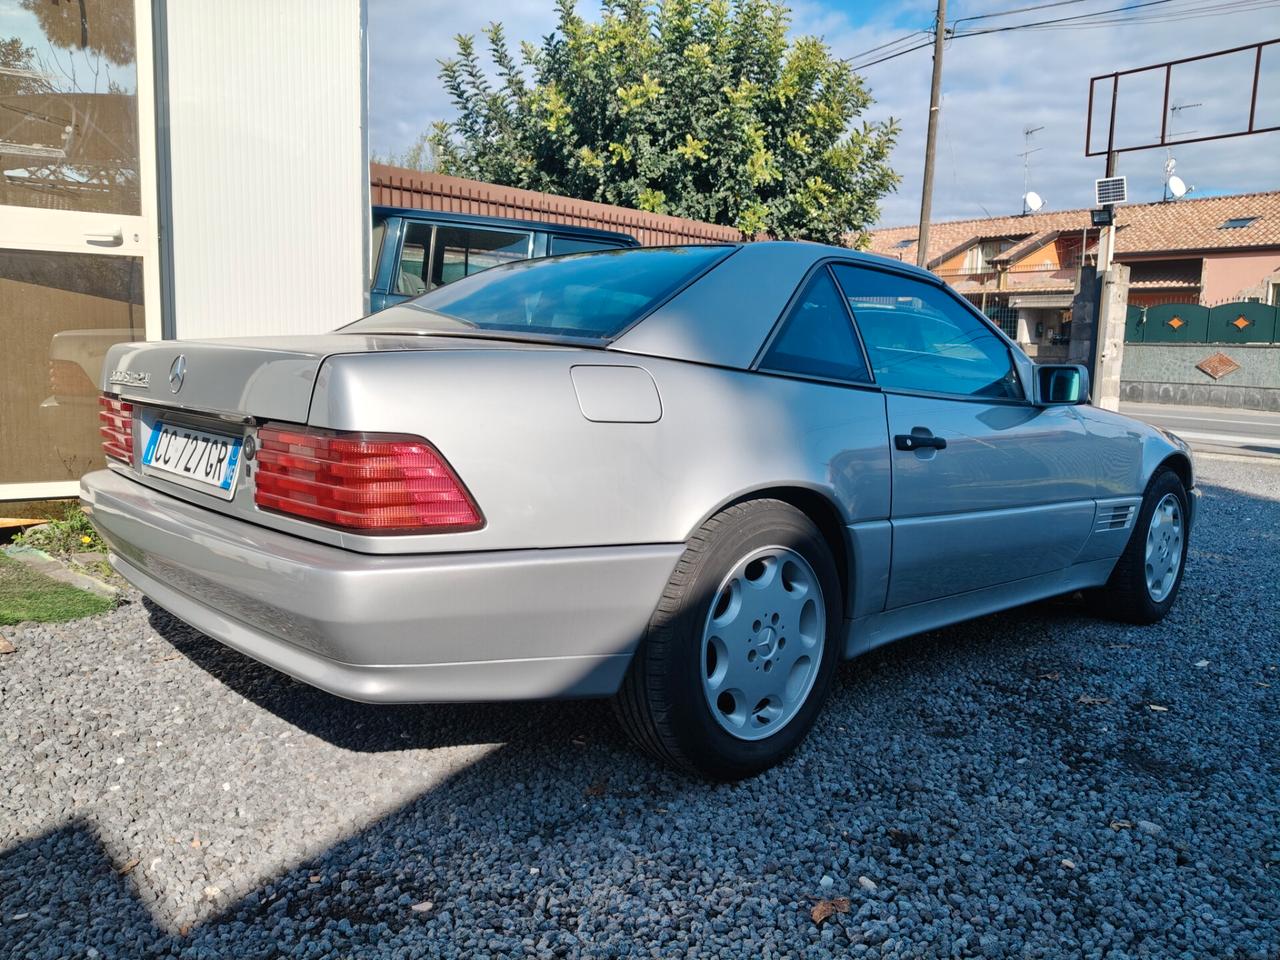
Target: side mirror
point(1060, 383)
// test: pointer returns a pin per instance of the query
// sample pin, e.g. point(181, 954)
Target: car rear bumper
point(499, 625)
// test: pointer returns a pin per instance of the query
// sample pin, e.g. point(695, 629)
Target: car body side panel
point(546, 476)
point(1130, 450)
point(871, 544)
point(867, 633)
point(1010, 496)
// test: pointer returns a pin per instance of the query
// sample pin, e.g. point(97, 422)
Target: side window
point(816, 338)
point(561, 245)
point(411, 277)
point(462, 251)
point(919, 338)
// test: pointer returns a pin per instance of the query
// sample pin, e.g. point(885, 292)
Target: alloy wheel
point(1164, 547)
point(762, 643)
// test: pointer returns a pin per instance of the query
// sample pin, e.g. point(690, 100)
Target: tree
point(699, 108)
point(17, 56)
point(102, 26)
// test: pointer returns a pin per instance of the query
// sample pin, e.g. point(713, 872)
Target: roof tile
point(1181, 225)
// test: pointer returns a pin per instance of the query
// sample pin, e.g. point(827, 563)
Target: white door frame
point(70, 231)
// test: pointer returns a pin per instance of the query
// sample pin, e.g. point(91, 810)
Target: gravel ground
point(1034, 784)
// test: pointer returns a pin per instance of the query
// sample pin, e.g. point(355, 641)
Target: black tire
point(662, 704)
point(1125, 596)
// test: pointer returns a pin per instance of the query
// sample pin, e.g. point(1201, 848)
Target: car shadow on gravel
point(376, 728)
point(372, 727)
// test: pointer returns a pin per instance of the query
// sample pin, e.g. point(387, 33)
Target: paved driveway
point(1036, 784)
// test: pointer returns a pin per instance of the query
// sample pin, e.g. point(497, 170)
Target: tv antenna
point(1031, 201)
point(1175, 188)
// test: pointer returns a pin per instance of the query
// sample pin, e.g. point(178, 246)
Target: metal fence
point(398, 187)
point(1241, 321)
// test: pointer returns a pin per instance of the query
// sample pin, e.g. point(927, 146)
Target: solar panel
point(1111, 190)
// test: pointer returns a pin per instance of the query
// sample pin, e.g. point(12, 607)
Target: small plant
point(73, 533)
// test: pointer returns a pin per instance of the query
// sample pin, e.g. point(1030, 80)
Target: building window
point(1273, 295)
point(978, 257)
point(1235, 223)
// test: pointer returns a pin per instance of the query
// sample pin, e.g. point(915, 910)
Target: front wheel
point(741, 649)
point(1147, 576)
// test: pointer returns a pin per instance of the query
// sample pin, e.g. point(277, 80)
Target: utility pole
point(935, 94)
point(1107, 235)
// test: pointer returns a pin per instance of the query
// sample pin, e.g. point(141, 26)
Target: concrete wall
point(1234, 276)
point(1166, 373)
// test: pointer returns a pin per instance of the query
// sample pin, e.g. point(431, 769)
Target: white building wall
point(264, 201)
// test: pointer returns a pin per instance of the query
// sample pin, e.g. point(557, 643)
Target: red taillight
point(116, 417)
point(361, 481)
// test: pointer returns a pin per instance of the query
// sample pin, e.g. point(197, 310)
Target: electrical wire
point(1092, 20)
point(1079, 16)
point(1009, 13)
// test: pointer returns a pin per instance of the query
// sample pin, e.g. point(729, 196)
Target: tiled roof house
point(1023, 269)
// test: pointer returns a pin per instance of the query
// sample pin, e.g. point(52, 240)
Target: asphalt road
point(1215, 429)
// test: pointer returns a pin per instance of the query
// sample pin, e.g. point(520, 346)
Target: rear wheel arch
point(819, 508)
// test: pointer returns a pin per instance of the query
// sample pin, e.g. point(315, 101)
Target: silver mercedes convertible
point(690, 478)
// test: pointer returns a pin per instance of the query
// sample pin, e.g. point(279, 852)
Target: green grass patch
point(65, 535)
point(26, 594)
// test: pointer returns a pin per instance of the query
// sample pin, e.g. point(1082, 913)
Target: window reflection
point(68, 106)
point(59, 313)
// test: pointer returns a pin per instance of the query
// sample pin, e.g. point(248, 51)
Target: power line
point(1090, 20)
point(1079, 16)
point(894, 56)
point(1009, 13)
point(1172, 16)
point(905, 37)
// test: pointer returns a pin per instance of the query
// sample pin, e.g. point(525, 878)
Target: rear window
point(591, 296)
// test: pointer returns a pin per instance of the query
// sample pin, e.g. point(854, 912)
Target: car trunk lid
point(263, 377)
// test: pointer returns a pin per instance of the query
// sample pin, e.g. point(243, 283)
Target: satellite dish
point(1033, 201)
point(1177, 187)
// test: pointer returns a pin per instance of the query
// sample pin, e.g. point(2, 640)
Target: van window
point(462, 251)
point(411, 276)
point(375, 246)
point(562, 245)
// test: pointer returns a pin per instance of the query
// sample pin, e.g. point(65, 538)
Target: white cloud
point(408, 38)
point(993, 87)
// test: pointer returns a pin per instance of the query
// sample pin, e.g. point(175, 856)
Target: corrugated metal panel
point(268, 173)
point(399, 187)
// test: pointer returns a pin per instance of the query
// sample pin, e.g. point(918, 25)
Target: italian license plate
point(198, 458)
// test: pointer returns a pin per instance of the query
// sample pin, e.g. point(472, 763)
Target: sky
point(994, 87)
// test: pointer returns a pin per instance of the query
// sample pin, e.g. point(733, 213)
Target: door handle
point(105, 239)
point(919, 441)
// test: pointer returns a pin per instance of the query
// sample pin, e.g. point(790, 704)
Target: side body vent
point(1114, 515)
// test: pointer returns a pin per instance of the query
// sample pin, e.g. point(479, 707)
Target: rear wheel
point(1147, 576)
point(740, 652)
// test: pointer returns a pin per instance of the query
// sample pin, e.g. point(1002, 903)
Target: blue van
point(418, 250)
